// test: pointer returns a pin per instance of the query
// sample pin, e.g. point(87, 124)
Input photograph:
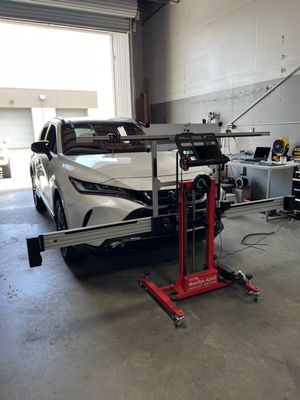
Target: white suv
point(84, 182)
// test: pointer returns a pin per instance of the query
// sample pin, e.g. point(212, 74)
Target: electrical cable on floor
point(264, 235)
point(250, 245)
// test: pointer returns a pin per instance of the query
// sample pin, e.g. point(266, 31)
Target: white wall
point(121, 73)
point(198, 47)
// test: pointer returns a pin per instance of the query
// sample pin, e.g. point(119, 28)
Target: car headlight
point(97, 188)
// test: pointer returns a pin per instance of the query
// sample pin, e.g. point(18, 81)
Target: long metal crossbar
point(237, 210)
point(73, 237)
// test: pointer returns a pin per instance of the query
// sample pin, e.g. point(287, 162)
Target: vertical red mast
point(193, 149)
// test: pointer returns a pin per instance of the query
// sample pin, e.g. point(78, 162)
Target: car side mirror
point(41, 147)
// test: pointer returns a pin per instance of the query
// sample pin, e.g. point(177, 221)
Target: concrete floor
point(89, 332)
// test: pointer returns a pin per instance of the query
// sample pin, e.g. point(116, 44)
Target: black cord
point(219, 182)
point(250, 245)
point(264, 235)
point(221, 247)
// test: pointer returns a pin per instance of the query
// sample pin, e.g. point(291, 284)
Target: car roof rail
point(60, 119)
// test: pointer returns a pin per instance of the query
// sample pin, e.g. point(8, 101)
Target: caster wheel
point(140, 284)
point(256, 298)
point(177, 321)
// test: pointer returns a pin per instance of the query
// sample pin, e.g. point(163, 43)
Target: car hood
point(126, 170)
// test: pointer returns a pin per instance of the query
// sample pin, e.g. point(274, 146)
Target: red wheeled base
point(194, 284)
point(211, 278)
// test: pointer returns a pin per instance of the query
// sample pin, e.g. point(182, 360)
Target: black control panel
point(196, 149)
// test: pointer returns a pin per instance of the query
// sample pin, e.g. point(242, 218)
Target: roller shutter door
point(16, 127)
point(71, 112)
point(107, 15)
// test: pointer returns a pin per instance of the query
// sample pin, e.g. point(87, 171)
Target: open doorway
point(47, 72)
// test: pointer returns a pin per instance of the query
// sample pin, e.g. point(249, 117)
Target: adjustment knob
point(201, 184)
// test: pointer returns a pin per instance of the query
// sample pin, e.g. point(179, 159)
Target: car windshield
point(81, 138)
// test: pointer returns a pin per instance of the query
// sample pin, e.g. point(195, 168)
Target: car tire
point(38, 202)
point(70, 254)
point(6, 171)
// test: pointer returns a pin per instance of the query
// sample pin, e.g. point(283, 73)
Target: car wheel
point(38, 202)
point(70, 254)
point(6, 171)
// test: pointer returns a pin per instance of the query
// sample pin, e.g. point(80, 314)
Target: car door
point(46, 164)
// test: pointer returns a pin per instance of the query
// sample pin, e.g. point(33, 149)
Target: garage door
point(104, 15)
point(108, 15)
point(71, 112)
point(16, 127)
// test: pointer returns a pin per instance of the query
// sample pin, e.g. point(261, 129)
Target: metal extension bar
point(237, 210)
point(72, 237)
point(163, 138)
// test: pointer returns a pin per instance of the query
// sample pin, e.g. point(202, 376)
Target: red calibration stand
point(191, 149)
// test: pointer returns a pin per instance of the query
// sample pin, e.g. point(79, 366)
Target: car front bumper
point(86, 210)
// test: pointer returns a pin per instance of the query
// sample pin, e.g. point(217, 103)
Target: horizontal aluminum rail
point(167, 138)
point(72, 237)
point(238, 210)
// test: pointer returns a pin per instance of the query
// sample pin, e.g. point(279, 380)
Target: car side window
point(51, 137)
